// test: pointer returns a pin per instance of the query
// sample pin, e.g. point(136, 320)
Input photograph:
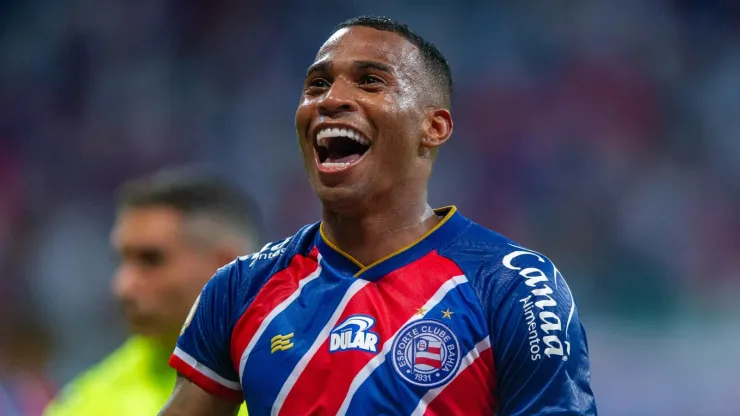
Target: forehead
point(359, 43)
point(147, 226)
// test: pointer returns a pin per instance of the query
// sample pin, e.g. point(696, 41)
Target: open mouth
point(340, 148)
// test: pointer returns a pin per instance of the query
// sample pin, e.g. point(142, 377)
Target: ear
point(437, 127)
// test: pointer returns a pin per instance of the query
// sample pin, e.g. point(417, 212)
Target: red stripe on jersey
point(392, 301)
point(278, 288)
point(204, 382)
point(431, 362)
point(476, 384)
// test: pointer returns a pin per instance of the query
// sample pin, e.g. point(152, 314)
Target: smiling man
point(386, 306)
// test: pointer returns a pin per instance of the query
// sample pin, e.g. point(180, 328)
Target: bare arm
point(188, 399)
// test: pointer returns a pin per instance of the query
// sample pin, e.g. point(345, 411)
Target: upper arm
point(540, 348)
point(203, 353)
point(188, 399)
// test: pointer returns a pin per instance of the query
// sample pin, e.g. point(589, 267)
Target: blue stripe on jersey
point(305, 319)
point(469, 327)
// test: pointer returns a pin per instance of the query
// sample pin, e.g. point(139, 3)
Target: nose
point(123, 283)
point(339, 99)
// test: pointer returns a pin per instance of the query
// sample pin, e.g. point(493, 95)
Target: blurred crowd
point(602, 133)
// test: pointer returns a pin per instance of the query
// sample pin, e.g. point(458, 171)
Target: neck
point(157, 354)
point(376, 234)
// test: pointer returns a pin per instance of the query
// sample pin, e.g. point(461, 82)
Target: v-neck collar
point(451, 225)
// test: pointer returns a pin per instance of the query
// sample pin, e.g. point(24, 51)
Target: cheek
point(303, 115)
point(302, 120)
point(178, 283)
point(396, 153)
point(163, 291)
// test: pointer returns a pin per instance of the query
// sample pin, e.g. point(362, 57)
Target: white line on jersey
point(467, 361)
point(275, 312)
point(323, 335)
point(363, 374)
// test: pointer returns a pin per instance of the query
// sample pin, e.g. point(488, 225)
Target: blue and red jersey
point(463, 322)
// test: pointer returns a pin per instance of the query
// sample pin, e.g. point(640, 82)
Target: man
point(172, 231)
point(386, 306)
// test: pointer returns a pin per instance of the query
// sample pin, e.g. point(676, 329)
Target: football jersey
point(462, 322)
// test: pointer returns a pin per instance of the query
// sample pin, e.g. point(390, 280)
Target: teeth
point(335, 164)
point(323, 136)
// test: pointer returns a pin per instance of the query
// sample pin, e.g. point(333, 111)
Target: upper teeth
point(323, 136)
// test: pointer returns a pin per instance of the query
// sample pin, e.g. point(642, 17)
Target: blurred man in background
point(172, 231)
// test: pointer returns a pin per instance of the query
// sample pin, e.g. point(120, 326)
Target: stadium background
point(602, 133)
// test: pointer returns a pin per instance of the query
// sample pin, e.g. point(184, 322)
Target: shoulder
point(499, 266)
point(240, 280)
point(272, 257)
point(519, 288)
point(480, 252)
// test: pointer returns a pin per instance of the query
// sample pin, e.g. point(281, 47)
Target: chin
point(330, 184)
point(344, 199)
point(141, 330)
point(143, 327)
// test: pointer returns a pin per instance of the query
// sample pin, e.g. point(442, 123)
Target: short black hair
point(193, 191)
point(435, 62)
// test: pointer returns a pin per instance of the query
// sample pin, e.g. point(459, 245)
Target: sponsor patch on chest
point(354, 333)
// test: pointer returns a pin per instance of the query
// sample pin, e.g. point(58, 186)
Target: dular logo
point(354, 334)
point(540, 297)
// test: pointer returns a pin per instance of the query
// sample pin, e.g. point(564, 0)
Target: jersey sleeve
point(202, 353)
point(540, 348)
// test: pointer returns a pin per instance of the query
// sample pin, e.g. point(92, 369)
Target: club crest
point(426, 353)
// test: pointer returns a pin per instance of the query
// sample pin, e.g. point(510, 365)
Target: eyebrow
point(327, 66)
point(319, 67)
point(374, 65)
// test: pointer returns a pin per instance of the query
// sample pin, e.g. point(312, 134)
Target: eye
point(318, 83)
point(370, 80)
point(151, 258)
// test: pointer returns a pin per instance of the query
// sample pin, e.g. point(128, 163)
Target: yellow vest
point(133, 380)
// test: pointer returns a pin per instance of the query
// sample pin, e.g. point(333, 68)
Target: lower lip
point(332, 169)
